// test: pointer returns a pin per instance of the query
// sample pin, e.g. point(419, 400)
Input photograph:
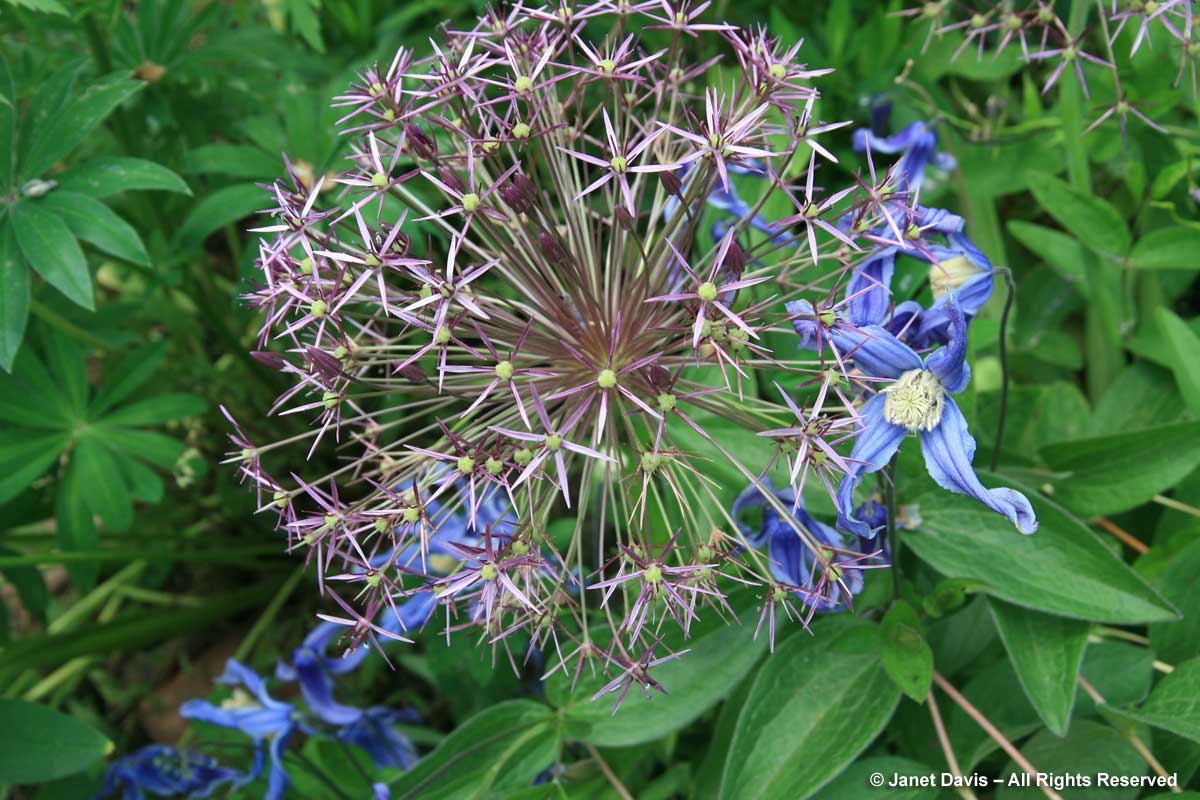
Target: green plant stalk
point(1102, 332)
point(230, 555)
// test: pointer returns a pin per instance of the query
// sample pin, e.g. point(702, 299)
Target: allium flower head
point(568, 341)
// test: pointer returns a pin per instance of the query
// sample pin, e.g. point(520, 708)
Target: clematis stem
point(609, 775)
point(1132, 737)
point(947, 749)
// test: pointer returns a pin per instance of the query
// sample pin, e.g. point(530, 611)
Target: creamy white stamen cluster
point(915, 400)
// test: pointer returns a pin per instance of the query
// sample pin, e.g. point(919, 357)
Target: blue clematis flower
point(919, 400)
point(315, 670)
point(375, 733)
point(791, 560)
point(161, 771)
point(257, 715)
point(918, 145)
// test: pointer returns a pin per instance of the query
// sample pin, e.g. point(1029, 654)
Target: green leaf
point(103, 177)
point(1120, 672)
point(157, 410)
point(306, 21)
point(502, 747)
point(1093, 221)
point(1060, 251)
point(29, 398)
point(995, 691)
point(68, 364)
point(1183, 346)
point(1120, 471)
point(814, 706)
point(100, 483)
point(1090, 749)
point(50, 247)
point(97, 224)
point(720, 655)
point(66, 130)
point(14, 300)
point(854, 783)
point(1062, 569)
point(906, 655)
point(238, 160)
point(50, 745)
point(152, 446)
point(1174, 705)
point(1176, 247)
point(127, 376)
point(1046, 652)
point(75, 529)
point(25, 456)
point(1177, 641)
point(222, 207)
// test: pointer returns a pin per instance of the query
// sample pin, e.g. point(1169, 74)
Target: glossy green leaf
point(67, 364)
point(50, 745)
point(103, 177)
point(906, 655)
point(1175, 247)
point(1178, 641)
point(98, 225)
point(222, 207)
point(1117, 472)
point(1046, 652)
point(30, 398)
point(1062, 569)
point(720, 655)
point(1184, 348)
point(814, 706)
point(1092, 220)
point(1174, 705)
point(1089, 749)
point(66, 129)
point(100, 483)
point(502, 747)
point(48, 244)
point(996, 692)
point(157, 448)
point(14, 300)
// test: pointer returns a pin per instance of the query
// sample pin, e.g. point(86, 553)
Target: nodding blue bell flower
point(918, 145)
point(792, 561)
point(315, 670)
point(161, 771)
point(374, 732)
point(253, 712)
point(920, 400)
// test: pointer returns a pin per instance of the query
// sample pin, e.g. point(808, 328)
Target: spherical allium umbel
point(512, 311)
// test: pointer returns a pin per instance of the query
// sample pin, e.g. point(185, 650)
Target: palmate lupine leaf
point(108, 451)
point(98, 225)
point(109, 175)
point(70, 125)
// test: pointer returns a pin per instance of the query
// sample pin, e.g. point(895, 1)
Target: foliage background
point(133, 565)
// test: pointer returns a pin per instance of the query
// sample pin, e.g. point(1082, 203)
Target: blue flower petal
point(875, 351)
point(869, 290)
point(873, 449)
point(949, 450)
point(949, 363)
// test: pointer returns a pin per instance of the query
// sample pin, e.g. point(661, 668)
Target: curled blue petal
point(949, 450)
point(949, 363)
point(375, 734)
point(873, 449)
